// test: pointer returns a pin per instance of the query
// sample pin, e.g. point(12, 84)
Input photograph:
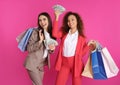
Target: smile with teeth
point(44, 25)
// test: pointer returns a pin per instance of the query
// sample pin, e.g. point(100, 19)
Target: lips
point(43, 25)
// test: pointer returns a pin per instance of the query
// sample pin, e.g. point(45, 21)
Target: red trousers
point(67, 68)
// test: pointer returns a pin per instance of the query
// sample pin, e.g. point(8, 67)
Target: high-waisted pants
point(67, 68)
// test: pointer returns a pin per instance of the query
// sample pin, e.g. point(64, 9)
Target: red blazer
point(81, 50)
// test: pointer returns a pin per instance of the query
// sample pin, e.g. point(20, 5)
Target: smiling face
point(72, 22)
point(43, 22)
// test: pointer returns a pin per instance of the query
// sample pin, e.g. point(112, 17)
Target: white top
point(48, 41)
point(47, 36)
point(70, 43)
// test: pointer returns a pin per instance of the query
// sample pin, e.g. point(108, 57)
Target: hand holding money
point(59, 9)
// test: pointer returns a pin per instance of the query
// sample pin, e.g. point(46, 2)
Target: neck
point(73, 31)
point(45, 29)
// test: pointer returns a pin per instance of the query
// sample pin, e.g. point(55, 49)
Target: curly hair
point(65, 27)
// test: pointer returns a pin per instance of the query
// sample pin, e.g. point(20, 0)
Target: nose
point(70, 21)
point(42, 22)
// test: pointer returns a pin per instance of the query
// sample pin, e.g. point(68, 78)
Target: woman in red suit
point(73, 47)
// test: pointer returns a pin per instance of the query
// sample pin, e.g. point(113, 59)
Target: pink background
point(101, 20)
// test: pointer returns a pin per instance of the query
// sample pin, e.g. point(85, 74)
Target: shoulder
point(35, 30)
point(82, 38)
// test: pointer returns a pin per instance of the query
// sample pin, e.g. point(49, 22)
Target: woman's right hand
point(57, 14)
point(41, 36)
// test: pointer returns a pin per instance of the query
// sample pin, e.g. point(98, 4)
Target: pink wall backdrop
point(101, 20)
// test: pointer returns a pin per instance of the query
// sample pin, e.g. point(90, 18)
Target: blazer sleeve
point(85, 48)
point(33, 43)
point(56, 32)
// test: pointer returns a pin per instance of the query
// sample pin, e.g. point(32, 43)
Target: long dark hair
point(49, 23)
point(65, 27)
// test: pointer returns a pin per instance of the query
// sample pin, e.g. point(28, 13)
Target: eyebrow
point(42, 18)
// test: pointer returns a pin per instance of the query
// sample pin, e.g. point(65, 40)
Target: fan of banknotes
point(59, 8)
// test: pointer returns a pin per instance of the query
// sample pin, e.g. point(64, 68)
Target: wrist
point(40, 41)
point(57, 17)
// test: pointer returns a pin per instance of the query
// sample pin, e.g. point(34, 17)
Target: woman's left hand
point(51, 47)
point(92, 45)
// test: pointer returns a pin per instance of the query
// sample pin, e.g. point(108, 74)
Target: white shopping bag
point(109, 64)
point(87, 72)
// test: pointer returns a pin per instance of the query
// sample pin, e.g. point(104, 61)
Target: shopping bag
point(23, 43)
point(109, 64)
point(20, 36)
point(87, 72)
point(98, 69)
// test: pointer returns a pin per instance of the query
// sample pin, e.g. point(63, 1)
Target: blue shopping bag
point(23, 43)
point(98, 69)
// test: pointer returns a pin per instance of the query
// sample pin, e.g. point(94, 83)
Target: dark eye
point(72, 19)
point(44, 19)
point(40, 20)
